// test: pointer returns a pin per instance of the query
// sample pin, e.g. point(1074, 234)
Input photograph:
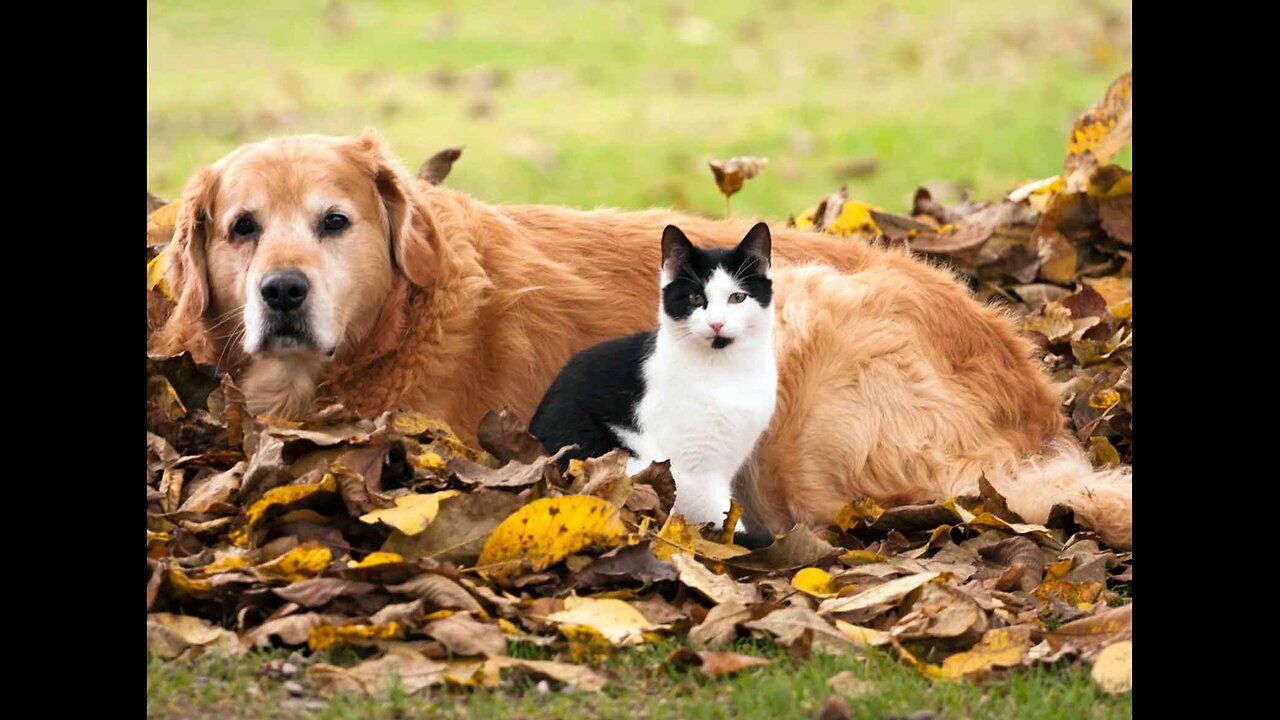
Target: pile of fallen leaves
point(438, 559)
point(1057, 252)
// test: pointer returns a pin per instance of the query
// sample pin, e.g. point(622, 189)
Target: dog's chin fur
point(894, 383)
point(282, 385)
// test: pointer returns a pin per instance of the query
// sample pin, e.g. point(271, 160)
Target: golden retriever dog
point(317, 268)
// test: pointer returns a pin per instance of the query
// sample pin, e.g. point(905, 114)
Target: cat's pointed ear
point(676, 250)
point(757, 245)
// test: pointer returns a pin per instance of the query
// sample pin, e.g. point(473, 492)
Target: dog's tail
point(1101, 499)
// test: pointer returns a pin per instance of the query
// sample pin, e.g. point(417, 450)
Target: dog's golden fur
point(893, 381)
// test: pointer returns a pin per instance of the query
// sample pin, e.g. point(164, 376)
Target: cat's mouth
point(719, 342)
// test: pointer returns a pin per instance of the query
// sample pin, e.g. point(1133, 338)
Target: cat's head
point(713, 297)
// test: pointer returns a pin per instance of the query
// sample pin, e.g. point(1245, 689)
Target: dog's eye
point(244, 226)
point(736, 298)
point(334, 222)
point(696, 299)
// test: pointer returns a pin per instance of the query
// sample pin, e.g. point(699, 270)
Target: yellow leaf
point(853, 513)
point(1104, 399)
point(731, 522)
point(155, 274)
point(279, 497)
point(325, 636)
point(1117, 292)
point(862, 635)
point(164, 218)
point(1103, 453)
point(814, 581)
point(438, 615)
point(160, 536)
point(587, 646)
point(1057, 570)
point(305, 561)
point(1113, 670)
point(854, 217)
point(1100, 133)
point(615, 620)
point(185, 585)
point(1082, 595)
point(412, 513)
point(1002, 647)
point(545, 531)
point(376, 558)
point(224, 564)
point(676, 535)
point(861, 557)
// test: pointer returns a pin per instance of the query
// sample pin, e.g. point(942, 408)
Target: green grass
point(643, 687)
point(622, 103)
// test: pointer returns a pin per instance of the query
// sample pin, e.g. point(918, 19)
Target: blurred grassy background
point(610, 103)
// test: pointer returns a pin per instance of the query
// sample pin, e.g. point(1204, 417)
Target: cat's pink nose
point(716, 327)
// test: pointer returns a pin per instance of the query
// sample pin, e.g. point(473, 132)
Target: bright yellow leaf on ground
point(305, 561)
point(853, 513)
point(325, 636)
point(376, 558)
point(617, 621)
point(1002, 647)
point(277, 497)
point(412, 513)
point(545, 531)
point(814, 581)
point(676, 535)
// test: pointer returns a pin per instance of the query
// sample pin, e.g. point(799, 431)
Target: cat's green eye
point(696, 299)
point(736, 298)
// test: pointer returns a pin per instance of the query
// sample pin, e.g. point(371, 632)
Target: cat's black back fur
point(597, 388)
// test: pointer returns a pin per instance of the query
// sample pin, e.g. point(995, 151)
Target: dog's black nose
point(285, 290)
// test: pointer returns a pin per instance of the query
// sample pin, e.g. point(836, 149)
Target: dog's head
point(291, 247)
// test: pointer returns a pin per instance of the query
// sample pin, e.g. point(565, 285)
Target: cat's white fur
point(705, 408)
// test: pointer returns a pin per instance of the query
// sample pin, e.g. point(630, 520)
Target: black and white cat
point(699, 391)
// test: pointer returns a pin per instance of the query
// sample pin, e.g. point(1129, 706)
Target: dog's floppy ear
point(187, 271)
point(413, 234)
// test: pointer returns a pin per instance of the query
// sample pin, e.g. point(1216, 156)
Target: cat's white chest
point(705, 414)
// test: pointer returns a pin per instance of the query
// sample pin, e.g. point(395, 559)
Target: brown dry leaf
point(732, 173)
point(799, 547)
point(318, 592)
point(1088, 635)
point(606, 477)
point(290, 629)
point(624, 566)
point(940, 611)
point(720, 626)
point(185, 637)
point(438, 592)
point(848, 683)
point(789, 624)
point(408, 670)
point(1113, 670)
point(463, 635)
point(716, 588)
point(713, 663)
point(436, 168)
point(658, 476)
point(507, 438)
point(885, 594)
point(573, 676)
point(514, 474)
point(545, 531)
